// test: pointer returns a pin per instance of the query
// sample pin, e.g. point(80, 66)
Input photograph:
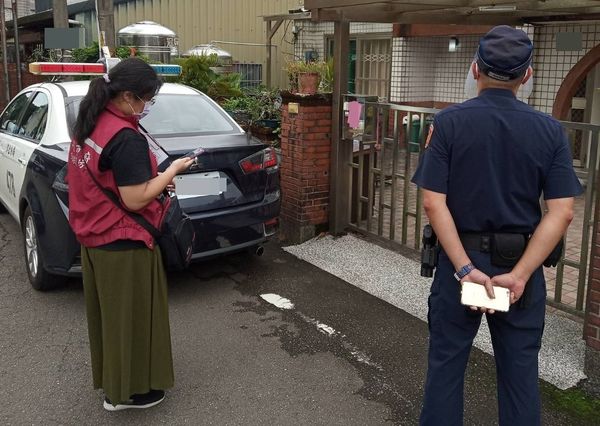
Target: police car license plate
point(200, 184)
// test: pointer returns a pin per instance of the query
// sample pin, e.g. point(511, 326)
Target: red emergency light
point(67, 68)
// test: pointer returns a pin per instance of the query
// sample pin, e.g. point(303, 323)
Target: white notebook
point(473, 294)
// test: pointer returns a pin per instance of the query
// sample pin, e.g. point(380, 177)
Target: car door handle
point(22, 161)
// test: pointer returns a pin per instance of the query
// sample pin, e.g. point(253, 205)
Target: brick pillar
point(305, 152)
point(591, 330)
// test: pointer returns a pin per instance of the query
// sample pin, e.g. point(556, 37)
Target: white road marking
point(283, 303)
point(278, 301)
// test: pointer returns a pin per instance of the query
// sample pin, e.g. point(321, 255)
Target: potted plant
point(305, 77)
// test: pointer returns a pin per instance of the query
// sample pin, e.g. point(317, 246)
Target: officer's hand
point(510, 281)
point(476, 276)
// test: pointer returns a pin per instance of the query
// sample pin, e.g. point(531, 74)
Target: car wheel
point(39, 278)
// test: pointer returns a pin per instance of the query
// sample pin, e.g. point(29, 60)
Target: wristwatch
point(464, 271)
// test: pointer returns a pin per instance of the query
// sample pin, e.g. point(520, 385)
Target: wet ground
point(331, 354)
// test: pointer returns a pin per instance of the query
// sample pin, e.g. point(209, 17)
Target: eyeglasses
point(151, 101)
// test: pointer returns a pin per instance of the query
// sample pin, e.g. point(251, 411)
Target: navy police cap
point(504, 53)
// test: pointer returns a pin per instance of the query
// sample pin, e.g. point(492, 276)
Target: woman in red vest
point(124, 280)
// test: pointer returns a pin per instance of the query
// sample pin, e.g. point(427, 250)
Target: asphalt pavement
point(268, 340)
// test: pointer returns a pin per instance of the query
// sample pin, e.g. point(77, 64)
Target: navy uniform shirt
point(493, 156)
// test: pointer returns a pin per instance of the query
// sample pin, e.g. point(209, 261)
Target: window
point(374, 66)
point(186, 114)
point(189, 114)
point(369, 65)
point(33, 122)
point(9, 123)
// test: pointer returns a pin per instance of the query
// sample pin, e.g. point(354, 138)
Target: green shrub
point(197, 72)
point(257, 103)
point(90, 53)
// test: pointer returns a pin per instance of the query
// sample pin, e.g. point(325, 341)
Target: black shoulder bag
point(175, 236)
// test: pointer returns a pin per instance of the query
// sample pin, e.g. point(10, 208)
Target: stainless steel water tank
point(225, 57)
point(151, 39)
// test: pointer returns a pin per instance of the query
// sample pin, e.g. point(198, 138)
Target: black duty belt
point(480, 241)
point(484, 241)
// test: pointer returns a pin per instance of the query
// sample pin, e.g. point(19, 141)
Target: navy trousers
point(516, 339)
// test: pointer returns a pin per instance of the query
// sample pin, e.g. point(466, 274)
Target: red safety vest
point(94, 218)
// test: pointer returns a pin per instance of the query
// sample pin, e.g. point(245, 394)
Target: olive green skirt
point(128, 321)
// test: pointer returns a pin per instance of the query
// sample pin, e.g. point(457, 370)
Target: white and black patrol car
point(235, 193)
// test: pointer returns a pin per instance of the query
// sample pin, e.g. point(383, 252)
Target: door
point(351, 62)
point(21, 140)
point(9, 129)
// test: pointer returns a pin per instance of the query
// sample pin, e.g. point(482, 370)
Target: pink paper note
point(354, 110)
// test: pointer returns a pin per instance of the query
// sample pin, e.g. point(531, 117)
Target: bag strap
point(138, 218)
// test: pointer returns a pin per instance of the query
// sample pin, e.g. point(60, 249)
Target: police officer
point(487, 162)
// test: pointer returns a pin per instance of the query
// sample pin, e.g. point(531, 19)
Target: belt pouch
point(507, 249)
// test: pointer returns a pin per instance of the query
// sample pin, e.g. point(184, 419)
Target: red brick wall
point(592, 318)
point(591, 329)
point(26, 77)
point(305, 151)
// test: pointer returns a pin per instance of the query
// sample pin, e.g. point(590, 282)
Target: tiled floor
point(570, 275)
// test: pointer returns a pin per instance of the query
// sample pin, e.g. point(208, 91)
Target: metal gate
point(387, 140)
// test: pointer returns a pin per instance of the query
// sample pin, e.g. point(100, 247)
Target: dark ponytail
point(131, 74)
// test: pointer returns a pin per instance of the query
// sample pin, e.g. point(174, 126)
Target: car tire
point(39, 278)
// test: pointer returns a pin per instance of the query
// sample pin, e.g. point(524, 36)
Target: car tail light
point(262, 160)
point(271, 227)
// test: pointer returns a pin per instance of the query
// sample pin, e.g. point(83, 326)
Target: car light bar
point(75, 68)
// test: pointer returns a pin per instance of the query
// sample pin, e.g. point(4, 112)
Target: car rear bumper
point(235, 229)
point(220, 232)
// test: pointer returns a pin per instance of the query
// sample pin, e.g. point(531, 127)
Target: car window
point(33, 122)
point(186, 114)
point(9, 122)
point(191, 114)
point(72, 108)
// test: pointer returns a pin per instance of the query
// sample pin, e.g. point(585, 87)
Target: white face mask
point(470, 89)
point(526, 89)
point(145, 111)
point(470, 84)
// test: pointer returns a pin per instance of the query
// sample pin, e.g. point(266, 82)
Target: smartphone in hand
point(195, 153)
point(473, 294)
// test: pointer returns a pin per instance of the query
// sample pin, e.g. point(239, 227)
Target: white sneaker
point(146, 400)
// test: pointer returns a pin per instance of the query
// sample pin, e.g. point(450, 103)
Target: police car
point(236, 198)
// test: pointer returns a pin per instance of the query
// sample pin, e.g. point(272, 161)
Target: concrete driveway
point(330, 354)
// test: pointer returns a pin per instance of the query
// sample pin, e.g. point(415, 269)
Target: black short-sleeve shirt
point(127, 155)
point(493, 156)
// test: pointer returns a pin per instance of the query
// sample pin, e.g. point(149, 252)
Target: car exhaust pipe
point(260, 250)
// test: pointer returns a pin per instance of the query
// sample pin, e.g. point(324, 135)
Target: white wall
point(551, 66)
point(424, 70)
